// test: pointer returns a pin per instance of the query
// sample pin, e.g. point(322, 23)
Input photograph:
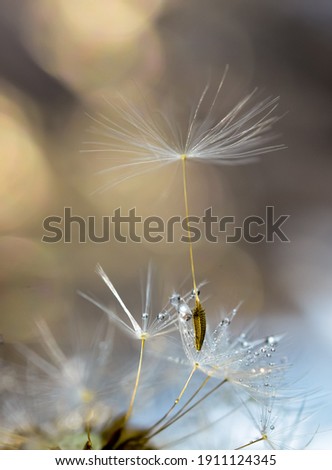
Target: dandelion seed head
point(152, 325)
point(135, 140)
point(63, 393)
point(281, 425)
point(243, 362)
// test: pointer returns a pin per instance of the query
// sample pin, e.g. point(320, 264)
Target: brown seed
point(199, 319)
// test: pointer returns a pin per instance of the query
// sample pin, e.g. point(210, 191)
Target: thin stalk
point(183, 411)
point(191, 254)
point(88, 444)
point(263, 438)
point(198, 312)
point(138, 375)
point(176, 401)
point(205, 381)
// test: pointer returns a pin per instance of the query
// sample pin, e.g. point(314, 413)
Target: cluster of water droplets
point(260, 369)
point(182, 308)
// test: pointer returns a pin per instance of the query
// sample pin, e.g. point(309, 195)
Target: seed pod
point(199, 319)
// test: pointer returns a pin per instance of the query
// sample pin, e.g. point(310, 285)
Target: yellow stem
point(185, 191)
point(176, 401)
point(88, 444)
point(186, 384)
point(263, 438)
point(138, 375)
point(184, 410)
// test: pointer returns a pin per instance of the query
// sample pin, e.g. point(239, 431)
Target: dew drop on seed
point(271, 340)
point(193, 293)
point(184, 311)
point(175, 300)
point(145, 319)
point(272, 427)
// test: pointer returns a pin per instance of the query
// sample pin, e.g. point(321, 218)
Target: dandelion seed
point(138, 139)
point(63, 394)
point(240, 361)
point(206, 358)
point(162, 323)
point(279, 425)
point(199, 325)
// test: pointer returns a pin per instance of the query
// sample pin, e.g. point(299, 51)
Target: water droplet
point(272, 427)
point(175, 300)
point(184, 311)
point(193, 293)
point(145, 315)
point(271, 340)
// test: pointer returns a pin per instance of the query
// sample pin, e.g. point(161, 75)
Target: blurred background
point(58, 61)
